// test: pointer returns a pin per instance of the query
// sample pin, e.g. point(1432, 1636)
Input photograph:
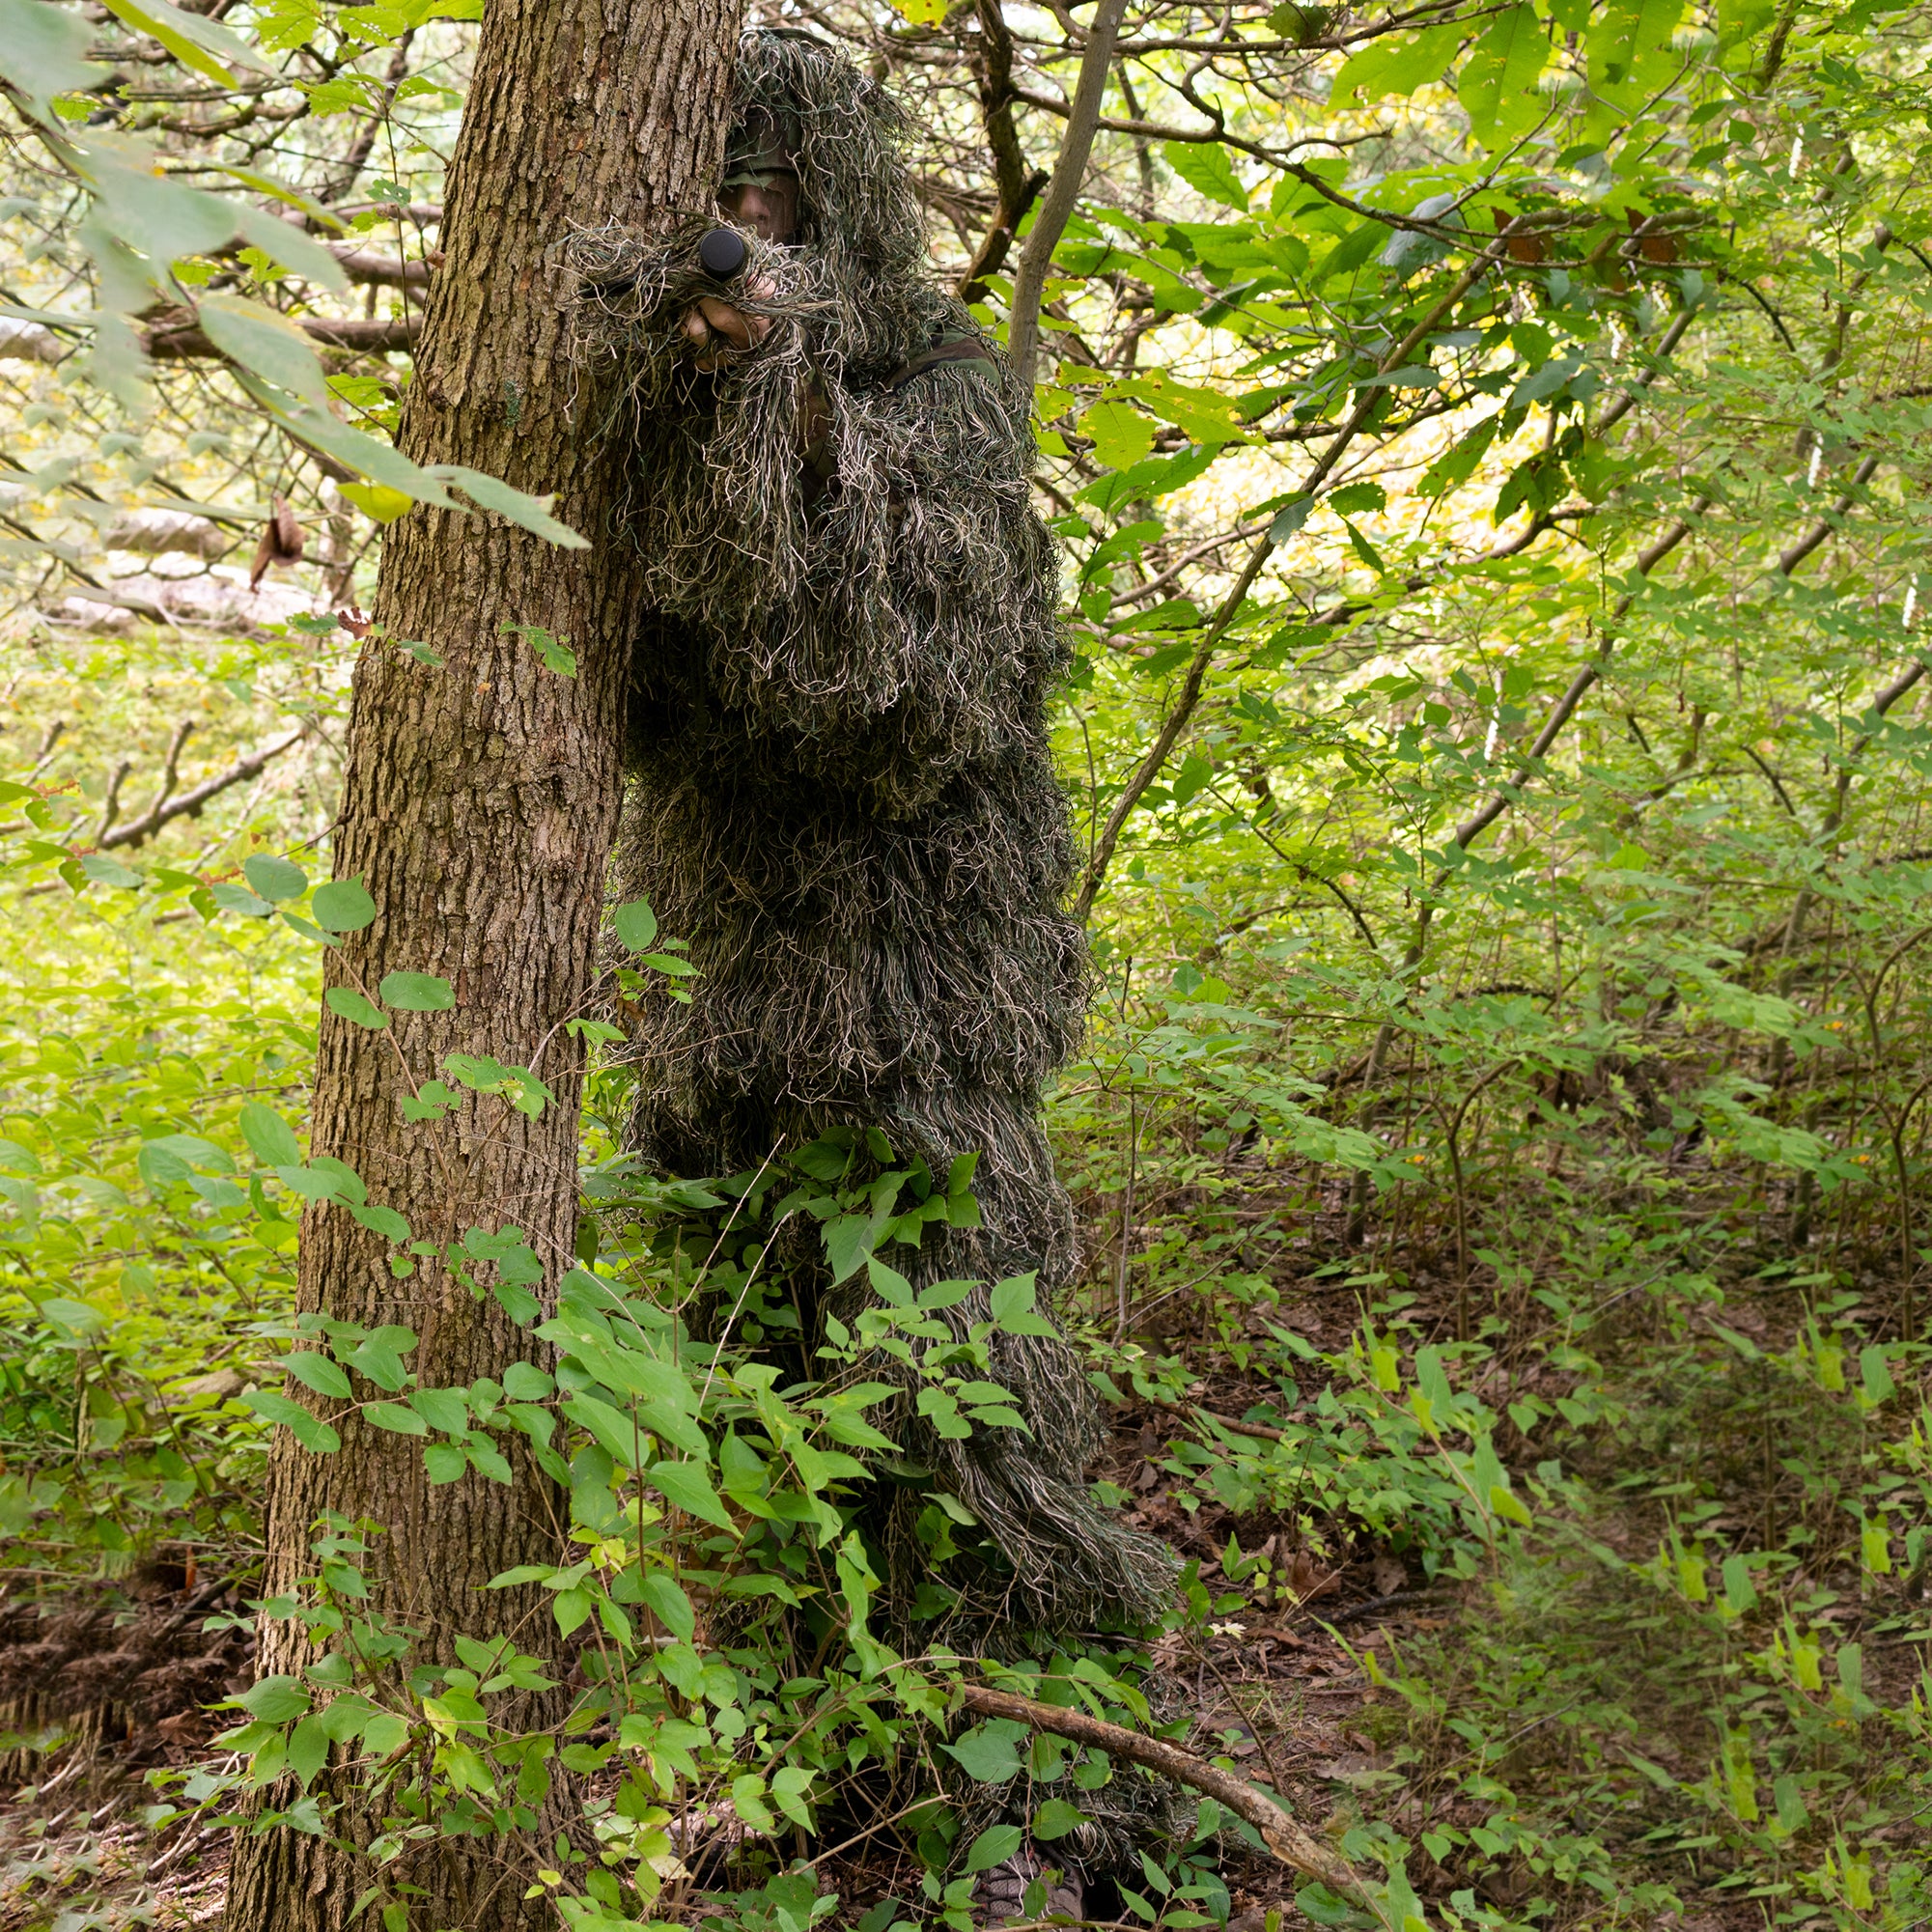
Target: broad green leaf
point(392, 1415)
point(635, 925)
point(274, 1700)
point(417, 993)
point(43, 52)
point(1205, 167)
point(261, 339)
point(1394, 64)
point(687, 1485)
point(442, 1409)
point(270, 1137)
point(203, 45)
point(1497, 82)
point(358, 1008)
point(611, 1429)
point(317, 1372)
point(660, 1590)
point(274, 878)
point(993, 1846)
point(308, 1748)
point(342, 906)
point(446, 1462)
point(990, 1753)
point(1121, 435)
point(1630, 52)
point(529, 513)
point(106, 871)
point(1055, 1818)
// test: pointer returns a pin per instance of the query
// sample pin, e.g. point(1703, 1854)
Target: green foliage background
point(1516, 947)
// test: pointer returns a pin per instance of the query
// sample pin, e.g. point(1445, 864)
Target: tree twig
point(162, 811)
point(1270, 1815)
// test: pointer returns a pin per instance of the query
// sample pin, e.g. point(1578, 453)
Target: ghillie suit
point(841, 796)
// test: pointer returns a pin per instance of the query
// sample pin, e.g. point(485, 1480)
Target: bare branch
point(1063, 189)
point(189, 804)
point(1270, 1815)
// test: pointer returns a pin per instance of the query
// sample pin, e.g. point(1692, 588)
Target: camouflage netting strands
point(841, 791)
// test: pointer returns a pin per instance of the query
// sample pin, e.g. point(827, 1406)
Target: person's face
point(770, 207)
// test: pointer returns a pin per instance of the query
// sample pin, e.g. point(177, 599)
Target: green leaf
point(417, 992)
point(1497, 83)
point(673, 1607)
point(1630, 52)
point(1121, 435)
point(1055, 1818)
point(264, 340)
point(317, 1372)
point(274, 1700)
point(42, 52)
point(990, 1753)
point(635, 925)
point(1205, 167)
point(233, 898)
point(358, 1008)
point(446, 1462)
point(106, 871)
point(1390, 64)
point(308, 1748)
point(525, 1382)
point(379, 1219)
point(308, 1429)
point(530, 513)
point(687, 1485)
point(610, 1429)
point(993, 1847)
point(270, 1137)
point(205, 46)
point(442, 1409)
point(393, 1416)
point(342, 906)
point(274, 878)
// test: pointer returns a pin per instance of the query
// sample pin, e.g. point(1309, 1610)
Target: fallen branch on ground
point(1267, 1814)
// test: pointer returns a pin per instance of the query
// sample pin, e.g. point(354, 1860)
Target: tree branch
point(1267, 1814)
point(1063, 190)
point(137, 832)
point(184, 342)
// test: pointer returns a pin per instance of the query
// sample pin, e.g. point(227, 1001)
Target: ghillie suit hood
point(841, 796)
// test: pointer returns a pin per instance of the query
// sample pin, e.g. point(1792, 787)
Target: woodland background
point(1489, 448)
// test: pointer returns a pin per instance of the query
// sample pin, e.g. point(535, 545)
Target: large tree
point(479, 807)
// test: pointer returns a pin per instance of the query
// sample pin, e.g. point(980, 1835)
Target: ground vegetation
point(1486, 451)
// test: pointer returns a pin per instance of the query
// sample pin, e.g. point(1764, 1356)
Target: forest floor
point(117, 1682)
point(1535, 1740)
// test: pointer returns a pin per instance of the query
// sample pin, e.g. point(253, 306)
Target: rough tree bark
point(479, 806)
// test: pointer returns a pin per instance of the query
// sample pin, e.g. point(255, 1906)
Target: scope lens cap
point(723, 252)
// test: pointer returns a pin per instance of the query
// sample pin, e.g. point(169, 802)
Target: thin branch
point(184, 342)
point(162, 812)
point(1267, 1813)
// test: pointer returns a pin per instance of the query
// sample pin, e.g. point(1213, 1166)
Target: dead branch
point(163, 810)
point(183, 341)
point(1267, 1813)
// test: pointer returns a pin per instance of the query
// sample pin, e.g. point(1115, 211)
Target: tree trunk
point(480, 800)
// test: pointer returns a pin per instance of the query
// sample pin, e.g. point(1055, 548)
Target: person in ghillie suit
point(841, 789)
